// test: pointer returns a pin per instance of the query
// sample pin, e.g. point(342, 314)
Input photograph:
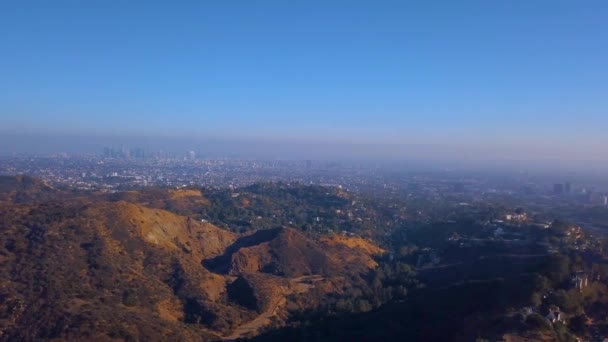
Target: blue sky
point(492, 73)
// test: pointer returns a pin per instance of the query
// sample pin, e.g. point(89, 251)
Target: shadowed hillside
point(24, 189)
point(279, 251)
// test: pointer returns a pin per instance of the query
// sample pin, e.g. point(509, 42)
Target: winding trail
point(297, 285)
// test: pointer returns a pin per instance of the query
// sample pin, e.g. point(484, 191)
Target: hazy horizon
point(467, 80)
point(269, 149)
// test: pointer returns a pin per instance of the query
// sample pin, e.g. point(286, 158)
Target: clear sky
point(515, 75)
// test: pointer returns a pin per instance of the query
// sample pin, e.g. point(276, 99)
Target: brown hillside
point(109, 269)
point(259, 292)
point(180, 201)
point(280, 251)
point(352, 242)
point(162, 228)
point(103, 267)
point(22, 183)
point(353, 250)
point(24, 189)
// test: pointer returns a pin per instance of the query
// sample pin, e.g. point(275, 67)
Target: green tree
point(569, 301)
point(129, 297)
point(344, 305)
point(538, 322)
point(536, 299)
point(363, 305)
point(578, 324)
point(558, 268)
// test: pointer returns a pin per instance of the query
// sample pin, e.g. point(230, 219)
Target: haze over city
point(470, 80)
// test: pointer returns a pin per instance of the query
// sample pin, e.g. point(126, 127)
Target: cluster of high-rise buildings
point(586, 195)
point(562, 188)
point(142, 153)
point(123, 152)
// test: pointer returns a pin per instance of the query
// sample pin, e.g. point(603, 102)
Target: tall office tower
point(567, 187)
point(191, 155)
point(125, 152)
point(140, 153)
point(558, 188)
